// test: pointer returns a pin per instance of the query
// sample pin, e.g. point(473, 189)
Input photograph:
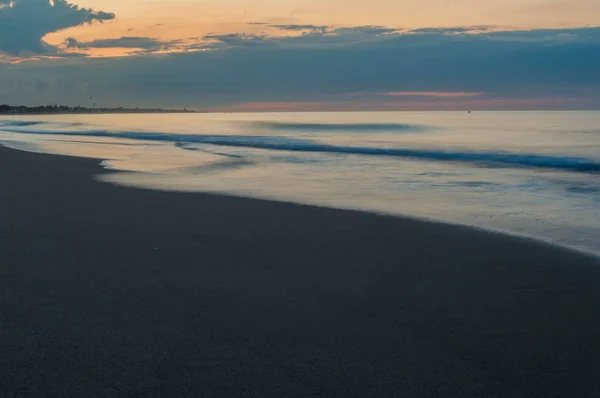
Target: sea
point(533, 174)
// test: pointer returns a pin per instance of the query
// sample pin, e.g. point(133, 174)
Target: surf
point(484, 158)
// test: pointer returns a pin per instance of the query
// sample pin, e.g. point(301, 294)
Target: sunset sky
point(302, 54)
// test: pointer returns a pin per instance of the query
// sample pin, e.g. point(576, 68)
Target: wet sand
point(108, 291)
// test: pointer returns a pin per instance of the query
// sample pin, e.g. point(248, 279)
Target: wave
point(17, 123)
point(583, 189)
point(338, 127)
point(574, 164)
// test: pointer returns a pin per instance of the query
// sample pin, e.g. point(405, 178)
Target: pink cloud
point(436, 94)
point(443, 105)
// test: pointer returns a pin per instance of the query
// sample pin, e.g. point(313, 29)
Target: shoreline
point(103, 170)
point(96, 113)
point(378, 213)
point(112, 291)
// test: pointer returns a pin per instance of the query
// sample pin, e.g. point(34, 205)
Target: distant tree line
point(63, 109)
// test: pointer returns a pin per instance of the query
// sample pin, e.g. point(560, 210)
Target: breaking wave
point(510, 159)
point(338, 127)
point(17, 123)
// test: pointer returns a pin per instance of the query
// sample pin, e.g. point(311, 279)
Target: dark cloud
point(312, 36)
point(23, 23)
point(236, 39)
point(313, 28)
point(559, 63)
point(71, 43)
point(369, 30)
point(548, 36)
point(453, 30)
point(402, 40)
point(146, 43)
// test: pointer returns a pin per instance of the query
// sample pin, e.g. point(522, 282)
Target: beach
point(113, 291)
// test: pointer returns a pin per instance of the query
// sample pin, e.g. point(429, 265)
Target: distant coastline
point(66, 110)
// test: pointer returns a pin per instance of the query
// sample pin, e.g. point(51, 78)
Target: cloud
point(24, 23)
point(324, 30)
point(320, 106)
point(453, 30)
point(71, 43)
point(536, 68)
point(367, 30)
point(312, 36)
point(434, 94)
point(236, 39)
point(145, 43)
point(373, 35)
point(313, 28)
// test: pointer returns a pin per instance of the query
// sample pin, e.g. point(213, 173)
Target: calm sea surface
point(529, 173)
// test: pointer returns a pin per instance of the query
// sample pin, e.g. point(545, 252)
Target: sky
point(302, 55)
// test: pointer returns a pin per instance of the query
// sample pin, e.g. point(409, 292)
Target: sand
point(108, 291)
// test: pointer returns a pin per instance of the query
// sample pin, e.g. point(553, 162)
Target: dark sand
point(266, 299)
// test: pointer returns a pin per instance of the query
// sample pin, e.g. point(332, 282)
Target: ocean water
point(528, 173)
